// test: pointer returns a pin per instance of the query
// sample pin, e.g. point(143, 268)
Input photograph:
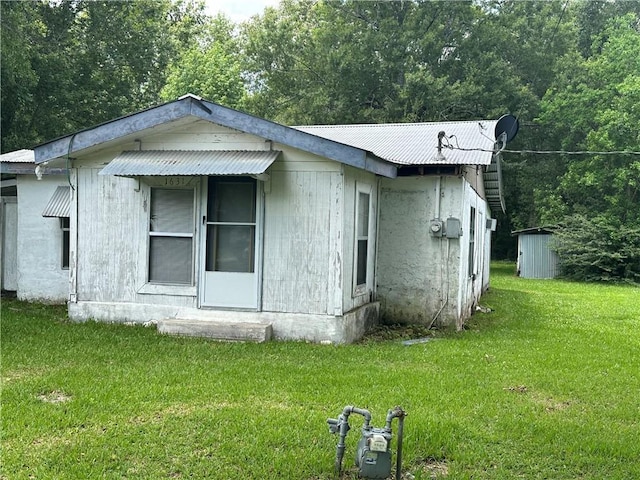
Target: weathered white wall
point(40, 273)
point(354, 181)
point(298, 261)
point(304, 218)
point(420, 276)
point(471, 282)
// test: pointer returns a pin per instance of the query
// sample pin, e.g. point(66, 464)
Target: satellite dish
point(507, 124)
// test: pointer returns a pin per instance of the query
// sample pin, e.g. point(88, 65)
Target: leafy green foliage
point(72, 64)
point(210, 68)
point(597, 249)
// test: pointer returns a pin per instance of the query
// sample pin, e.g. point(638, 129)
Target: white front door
point(230, 240)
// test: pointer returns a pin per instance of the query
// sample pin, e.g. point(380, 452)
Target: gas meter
point(373, 453)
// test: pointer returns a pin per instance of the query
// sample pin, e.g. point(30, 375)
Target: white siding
point(112, 238)
point(471, 282)
point(301, 268)
point(40, 273)
point(354, 181)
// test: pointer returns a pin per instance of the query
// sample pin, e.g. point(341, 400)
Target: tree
point(18, 76)
point(600, 95)
point(70, 64)
point(597, 249)
point(210, 68)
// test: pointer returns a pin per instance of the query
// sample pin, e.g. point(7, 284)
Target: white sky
point(238, 10)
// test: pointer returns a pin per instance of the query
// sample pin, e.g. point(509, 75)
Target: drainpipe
point(73, 277)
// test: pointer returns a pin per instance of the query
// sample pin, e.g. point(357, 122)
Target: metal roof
point(416, 143)
point(58, 206)
point(163, 117)
point(18, 156)
point(535, 230)
point(190, 162)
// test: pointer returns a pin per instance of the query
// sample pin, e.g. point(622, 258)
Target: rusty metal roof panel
point(190, 162)
point(58, 206)
point(416, 143)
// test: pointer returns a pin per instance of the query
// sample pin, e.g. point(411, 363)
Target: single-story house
point(35, 229)
point(191, 210)
point(535, 257)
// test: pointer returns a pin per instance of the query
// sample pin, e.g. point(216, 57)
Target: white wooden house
point(194, 211)
point(35, 229)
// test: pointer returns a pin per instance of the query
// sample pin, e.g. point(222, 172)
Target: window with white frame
point(64, 226)
point(472, 241)
point(171, 236)
point(363, 200)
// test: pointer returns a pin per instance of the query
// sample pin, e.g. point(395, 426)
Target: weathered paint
point(286, 326)
point(307, 232)
point(41, 276)
point(421, 277)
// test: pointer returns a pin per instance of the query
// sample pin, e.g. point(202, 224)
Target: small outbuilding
point(535, 257)
point(35, 228)
point(196, 212)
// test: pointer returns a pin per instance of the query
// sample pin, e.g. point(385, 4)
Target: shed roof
point(190, 162)
point(535, 230)
point(416, 143)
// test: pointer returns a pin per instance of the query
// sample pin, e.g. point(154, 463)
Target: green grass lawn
point(546, 386)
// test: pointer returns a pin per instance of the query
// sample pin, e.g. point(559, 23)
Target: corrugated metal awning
point(58, 206)
point(190, 162)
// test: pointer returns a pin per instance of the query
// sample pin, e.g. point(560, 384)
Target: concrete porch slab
point(227, 331)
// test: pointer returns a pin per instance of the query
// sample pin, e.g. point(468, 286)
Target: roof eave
point(112, 130)
point(292, 137)
point(192, 106)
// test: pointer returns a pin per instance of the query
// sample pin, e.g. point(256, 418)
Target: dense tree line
point(570, 71)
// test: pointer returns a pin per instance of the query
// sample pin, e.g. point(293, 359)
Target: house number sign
point(171, 181)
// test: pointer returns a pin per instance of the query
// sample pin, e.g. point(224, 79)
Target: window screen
point(231, 225)
point(171, 236)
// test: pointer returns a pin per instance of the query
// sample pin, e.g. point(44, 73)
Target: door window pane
point(230, 248)
point(231, 225)
point(232, 201)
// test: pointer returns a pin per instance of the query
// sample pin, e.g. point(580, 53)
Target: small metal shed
point(535, 257)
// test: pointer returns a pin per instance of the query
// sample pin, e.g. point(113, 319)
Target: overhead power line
point(546, 152)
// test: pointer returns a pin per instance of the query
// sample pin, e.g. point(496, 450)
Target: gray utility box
point(454, 228)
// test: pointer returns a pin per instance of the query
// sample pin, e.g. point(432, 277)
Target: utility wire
point(545, 152)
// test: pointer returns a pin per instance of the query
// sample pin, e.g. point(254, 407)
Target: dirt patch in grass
point(433, 467)
point(382, 333)
point(54, 396)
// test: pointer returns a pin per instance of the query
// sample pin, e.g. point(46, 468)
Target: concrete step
point(218, 330)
